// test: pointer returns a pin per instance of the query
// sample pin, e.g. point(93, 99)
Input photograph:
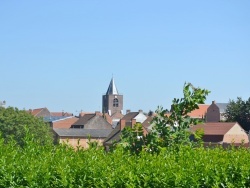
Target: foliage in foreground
point(34, 165)
point(13, 123)
point(167, 130)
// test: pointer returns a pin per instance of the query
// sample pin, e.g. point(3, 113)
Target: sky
point(62, 54)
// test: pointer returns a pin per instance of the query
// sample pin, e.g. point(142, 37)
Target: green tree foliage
point(14, 122)
point(132, 138)
point(167, 130)
point(239, 111)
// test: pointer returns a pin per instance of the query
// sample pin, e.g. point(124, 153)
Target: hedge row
point(61, 166)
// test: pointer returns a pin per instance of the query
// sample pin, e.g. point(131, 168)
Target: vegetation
point(13, 123)
point(34, 165)
point(239, 111)
point(167, 130)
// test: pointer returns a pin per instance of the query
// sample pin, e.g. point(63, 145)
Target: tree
point(239, 111)
point(167, 130)
point(14, 122)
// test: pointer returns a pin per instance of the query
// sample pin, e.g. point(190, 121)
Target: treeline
point(239, 110)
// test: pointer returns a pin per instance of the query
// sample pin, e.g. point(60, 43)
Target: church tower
point(112, 102)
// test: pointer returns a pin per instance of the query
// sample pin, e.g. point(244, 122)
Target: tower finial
point(112, 90)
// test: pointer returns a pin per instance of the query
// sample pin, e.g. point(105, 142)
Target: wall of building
point(83, 142)
point(213, 113)
point(140, 117)
point(107, 102)
point(236, 135)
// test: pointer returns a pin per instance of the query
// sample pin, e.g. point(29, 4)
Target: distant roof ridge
point(130, 115)
point(63, 118)
point(112, 90)
point(36, 110)
point(84, 119)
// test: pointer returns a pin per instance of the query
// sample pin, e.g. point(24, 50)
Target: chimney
point(128, 111)
point(213, 102)
point(140, 111)
point(98, 113)
point(123, 123)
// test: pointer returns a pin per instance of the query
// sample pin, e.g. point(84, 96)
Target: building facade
point(216, 112)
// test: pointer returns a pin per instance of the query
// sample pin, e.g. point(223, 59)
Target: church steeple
point(112, 101)
point(112, 90)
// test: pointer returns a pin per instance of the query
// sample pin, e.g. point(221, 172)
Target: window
point(115, 102)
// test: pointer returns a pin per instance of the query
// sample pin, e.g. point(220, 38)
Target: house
point(222, 133)
point(216, 112)
point(81, 137)
point(113, 137)
point(92, 121)
point(128, 120)
point(40, 112)
point(47, 115)
point(79, 131)
point(60, 114)
point(132, 118)
point(147, 126)
point(65, 123)
point(199, 113)
point(106, 116)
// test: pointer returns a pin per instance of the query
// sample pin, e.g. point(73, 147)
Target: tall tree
point(14, 122)
point(239, 111)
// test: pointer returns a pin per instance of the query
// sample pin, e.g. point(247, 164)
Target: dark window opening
point(115, 102)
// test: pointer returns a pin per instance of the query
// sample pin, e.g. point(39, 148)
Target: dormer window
point(115, 102)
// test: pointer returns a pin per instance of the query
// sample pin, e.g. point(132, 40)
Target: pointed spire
point(112, 90)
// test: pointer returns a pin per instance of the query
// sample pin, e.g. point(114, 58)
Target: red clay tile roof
point(199, 113)
point(65, 123)
point(218, 128)
point(34, 112)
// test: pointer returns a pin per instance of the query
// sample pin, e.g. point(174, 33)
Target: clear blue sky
point(61, 54)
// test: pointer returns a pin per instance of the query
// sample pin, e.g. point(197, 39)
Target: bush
point(34, 165)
